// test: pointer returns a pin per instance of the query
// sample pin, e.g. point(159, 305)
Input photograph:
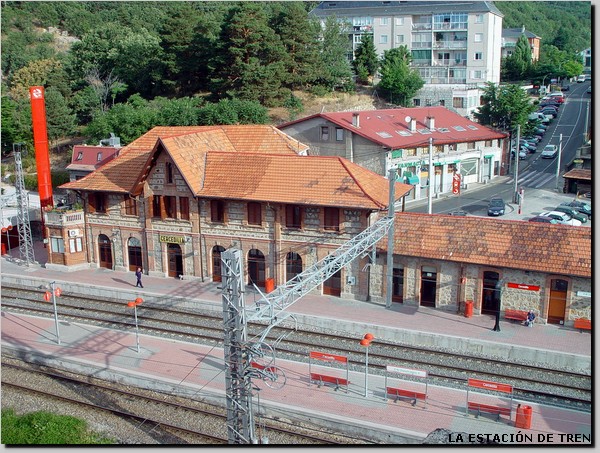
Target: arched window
point(216, 262)
point(256, 267)
point(105, 251)
point(134, 252)
point(293, 265)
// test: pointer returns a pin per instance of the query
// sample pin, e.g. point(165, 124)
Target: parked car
point(589, 90)
point(565, 87)
point(541, 219)
point(573, 213)
point(549, 111)
point(581, 79)
point(580, 206)
point(522, 153)
point(556, 96)
point(530, 147)
point(496, 206)
point(533, 138)
point(539, 132)
point(588, 76)
point(561, 217)
point(549, 152)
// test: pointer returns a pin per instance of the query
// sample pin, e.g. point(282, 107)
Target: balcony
point(63, 218)
point(447, 44)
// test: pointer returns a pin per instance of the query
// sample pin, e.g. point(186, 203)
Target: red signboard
point(523, 286)
point(488, 385)
point(456, 183)
point(328, 357)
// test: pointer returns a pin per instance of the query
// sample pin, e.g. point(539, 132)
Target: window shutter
point(91, 203)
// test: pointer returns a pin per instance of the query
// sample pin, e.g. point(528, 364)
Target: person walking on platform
point(530, 318)
point(138, 275)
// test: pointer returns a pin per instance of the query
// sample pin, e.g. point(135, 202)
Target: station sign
point(328, 357)
point(489, 385)
point(523, 286)
point(171, 239)
point(407, 371)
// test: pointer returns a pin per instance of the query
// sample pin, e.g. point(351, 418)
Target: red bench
point(323, 378)
point(489, 409)
point(583, 324)
point(517, 315)
point(401, 393)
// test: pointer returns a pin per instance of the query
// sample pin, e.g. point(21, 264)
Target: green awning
point(489, 156)
point(413, 180)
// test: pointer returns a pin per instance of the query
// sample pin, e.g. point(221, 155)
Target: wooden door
point(175, 261)
point(105, 252)
point(333, 285)
point(557, 303)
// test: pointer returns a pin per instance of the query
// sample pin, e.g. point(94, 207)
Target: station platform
point(197, 370)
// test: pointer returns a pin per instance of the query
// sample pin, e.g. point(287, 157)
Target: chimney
point(430, 123)
point(413, 125)
point(356, 119)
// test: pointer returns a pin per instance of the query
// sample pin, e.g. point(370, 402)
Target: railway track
point(163, 418)
point(531, 383)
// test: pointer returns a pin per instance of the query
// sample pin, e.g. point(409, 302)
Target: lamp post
point(134, 304)
point(56, 292)
point(366, 342)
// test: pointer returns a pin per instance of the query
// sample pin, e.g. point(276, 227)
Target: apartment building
point(510, 36)
point(456, 46)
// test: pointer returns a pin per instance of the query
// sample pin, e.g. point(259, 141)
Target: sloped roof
point(186, 144)
point(379, 8)
point(89, 157)
point(312, 180)
point(390, 128)
point(579, 173)
point(516, 244)
point(517, 32)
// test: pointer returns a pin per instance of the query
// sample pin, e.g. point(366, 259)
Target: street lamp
point(366, 342)
point(56, 292)
point(134, 304)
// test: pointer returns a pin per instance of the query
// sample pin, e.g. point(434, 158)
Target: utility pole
point(390, 242)
point(558, 162)
point(516, 193)
point(431, 177)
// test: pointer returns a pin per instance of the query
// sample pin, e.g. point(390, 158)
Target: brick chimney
point(430, 123)
point(413, 125)
point(356, 119)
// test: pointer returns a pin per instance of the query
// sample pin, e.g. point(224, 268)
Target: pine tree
point(397, 78)
point(365, 61)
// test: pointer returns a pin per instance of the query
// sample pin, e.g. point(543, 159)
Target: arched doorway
point(105, 251)
point(175, 260)
point(216, 262)
point(293, 265)
point(490, 297)
point(256, 267)
point(398, 285)
point(557, 302)
point(428, 286)
point(134, 252)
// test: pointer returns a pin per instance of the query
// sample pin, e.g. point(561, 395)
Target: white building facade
point(456, 47)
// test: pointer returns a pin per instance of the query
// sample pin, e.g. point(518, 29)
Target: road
point(536, 176)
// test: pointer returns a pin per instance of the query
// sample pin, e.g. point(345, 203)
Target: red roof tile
point(387, 126)
point(555, 249)
point(306, 180)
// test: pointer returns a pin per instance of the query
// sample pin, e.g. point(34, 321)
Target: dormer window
point(80, 155)
point(99, 157)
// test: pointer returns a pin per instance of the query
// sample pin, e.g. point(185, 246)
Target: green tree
point(300, 36)
point(15, 128)
point(177, 112)
point(251, 57)
point(504, 107)
point(518, 65)
point(233, 111)
point(397, 78)
point(366, 61)
point(59, 116)
point(335, 71)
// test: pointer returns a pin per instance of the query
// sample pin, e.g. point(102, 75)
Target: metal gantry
point(238, 383)
point(27, 253)
point(240, 354)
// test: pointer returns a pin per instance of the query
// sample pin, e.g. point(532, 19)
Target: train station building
point(177, 197)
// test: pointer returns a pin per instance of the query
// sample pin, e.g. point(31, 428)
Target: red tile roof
point(245, 162)
point(579, 173)
point(123, 173)
point(89, 157)
point(306, 180)
point(555, 249)
point(390, 128)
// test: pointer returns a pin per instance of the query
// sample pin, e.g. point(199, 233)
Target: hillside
point(566, 25)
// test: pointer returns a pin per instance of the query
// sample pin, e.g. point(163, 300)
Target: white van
point(581, 79)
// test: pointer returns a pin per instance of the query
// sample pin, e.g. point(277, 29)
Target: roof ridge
point(341, 161)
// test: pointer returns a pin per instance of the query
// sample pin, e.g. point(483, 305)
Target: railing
point(63, 218)
point(421, 45)
point(450, 44)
